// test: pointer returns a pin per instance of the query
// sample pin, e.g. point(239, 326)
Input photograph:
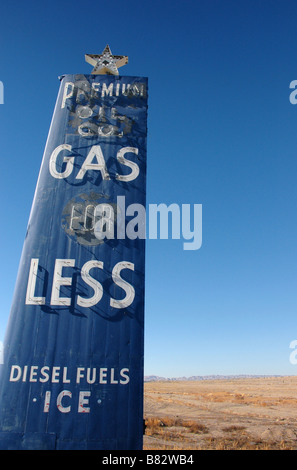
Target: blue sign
point(72, 376)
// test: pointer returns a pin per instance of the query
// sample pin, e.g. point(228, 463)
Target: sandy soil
point(257, 413)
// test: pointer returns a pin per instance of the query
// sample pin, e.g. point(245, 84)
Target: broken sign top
point(106, 63)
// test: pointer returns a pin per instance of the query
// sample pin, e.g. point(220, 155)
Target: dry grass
point(157, 425)
point(240, 414)
point(233, 428)
point(173, 433)
point(243, 443)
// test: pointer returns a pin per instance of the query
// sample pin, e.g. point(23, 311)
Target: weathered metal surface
point(72, 376)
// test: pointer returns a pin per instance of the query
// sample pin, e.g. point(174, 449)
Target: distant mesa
point(156, 378)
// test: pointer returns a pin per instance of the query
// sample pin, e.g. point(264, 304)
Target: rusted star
point(106, 63)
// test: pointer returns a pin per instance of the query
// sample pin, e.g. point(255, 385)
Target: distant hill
point(155, 378)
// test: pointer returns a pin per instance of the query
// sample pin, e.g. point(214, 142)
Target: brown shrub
point(154, 425)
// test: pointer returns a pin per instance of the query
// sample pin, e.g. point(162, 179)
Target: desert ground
point(235, 414)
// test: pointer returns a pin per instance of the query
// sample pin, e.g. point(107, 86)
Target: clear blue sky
point(222, 133)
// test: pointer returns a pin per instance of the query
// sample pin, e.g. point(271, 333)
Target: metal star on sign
point(106, 63)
